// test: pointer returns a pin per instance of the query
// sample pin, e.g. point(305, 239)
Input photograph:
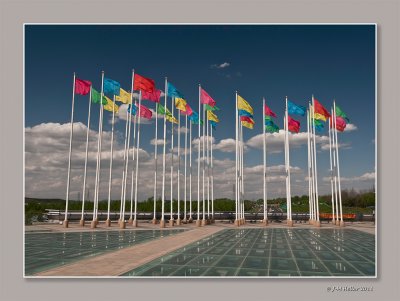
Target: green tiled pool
point(270, 252)
point(48, 250)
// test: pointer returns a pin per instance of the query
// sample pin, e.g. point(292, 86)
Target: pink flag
point(82, 87)
point(268, 111)
point(293, 125)
point(152, 96)
point(340, 124)
point(145, 112)
point(188, 111)
point(206, 99)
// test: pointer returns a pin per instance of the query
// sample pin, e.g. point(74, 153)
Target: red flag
point(188, 111)
point(293, 125)
point(247, 118)
point(152, 96)
point(268, 111)
point(144, 112)
point(320, 109)
point(206, 99)
point(143, 83)
point(82, 87)
point(340, 124)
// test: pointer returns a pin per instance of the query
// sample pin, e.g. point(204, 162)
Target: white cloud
point(220, 66)
point(350, 127)
point(158, 142)
point(325, 147)
point(367, 177)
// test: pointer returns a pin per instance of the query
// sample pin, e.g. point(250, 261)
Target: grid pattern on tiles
point(44, 251)
point(270, 252)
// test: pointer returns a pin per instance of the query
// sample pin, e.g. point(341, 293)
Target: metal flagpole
point(288, 199)
point(212, 177)
point(69, 155)
point(178, 220)
point(310, 197)
point(241, 174)
point(171, 219)
point(208, 170)
point(335, 171)
point(312, 154)
point(135, 121)
point(155, 170)
point(318, 223)
point(111, 160)
point(135, 223)
point(236, 164)
point(338, 169)
point(331, 170)
point(198, 223)
point(203, 222)
point(162, 220)
point(123, 170)
point(190, 171)
point(82, 221)
point(185, 190)
point(265, 221)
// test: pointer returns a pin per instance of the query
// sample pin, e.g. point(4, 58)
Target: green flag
point(96, 96)
point(210, 108)
point(273, 128)
point(342, 114)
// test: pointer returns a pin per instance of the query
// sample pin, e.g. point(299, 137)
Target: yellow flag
point(180, 104)
point(317, 115)
point(171, 119)
point(124, 96)
point(110, 105)
point(244, 105)
point(247, 124)
point(211, 116)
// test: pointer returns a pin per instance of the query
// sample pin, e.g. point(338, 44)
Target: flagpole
point(318, 223)
point(208, 169)
point(82, 221)
point(241, 175)
point(212, 178)
point(335, 171)
point(198, 223)
point(190, 172)
point(236, 163)
point(171, 219)
point(111, 161)
point(126, 162)
point(100, 153)
point(155, 169)
point(185, 190)
point(310, 192)
point(162, 220)
point(265, 221)
point(178, 220)
point(203, 222)
point(65, 223)
point(288, 198)
point(338, 169)
point(331, 170)
point(123, 170)
point(135, 222)
point(135, 121)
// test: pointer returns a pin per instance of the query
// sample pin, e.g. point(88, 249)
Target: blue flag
point(296, 109)
point(111, 87)
point(213, 125)
point(245, 113)
point(195, 118)
point(173, 92)
point(132, 109)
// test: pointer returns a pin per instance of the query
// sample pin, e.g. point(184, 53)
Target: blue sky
point(271, 61)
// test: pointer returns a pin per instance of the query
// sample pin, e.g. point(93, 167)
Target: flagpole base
point(65, 223)
point(337, 223)
point(154, 221)
point(290, 223)
point(122, 225)
point(82, 223)
point(171, 223)
point(184, 221)
point(203, 222)
point(317, 224)
point(178, 221)
point(310, 221)
point(212, 221)
point(135, 223)
point(162, 223)
point(333, 222)
point(198, 223)
point(265, 222)
point(190, 220)
point(96, 221)
point(237, 223)
point(93, 224)
point(341, 224)
point(108, 222)
point(130, 221)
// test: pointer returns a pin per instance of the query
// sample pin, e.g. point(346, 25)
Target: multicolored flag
point(152, 96)
point(206, 99)
point(319, 109)
point(319, 125)
point(245, 113)
point(124, 97)
point(248, 125)
point(293, 125)
point(173, 92)
point(273, 128)
point(82, 87)
point(168, 115)
point(212, 116)
point(96, 97)
point(210, 108)
point(188, 111)
point(244, 105)
point(268, 111)
point(180, 104)
point(141, 83)
point(111, 87)
point(296, 109)
point(145, 112)
point(110, 106)
point(340, 113)
point(247, 119)
point(268, 120)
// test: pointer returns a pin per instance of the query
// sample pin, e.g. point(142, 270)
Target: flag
point(340, 113)
point(171, 119)
point(244, 105)
point(296, 109)
point(319, 109)
point(268, 120)
point(340, 124)
point(111, 87)
point(96, 96)
point(246, 119)
point(180, 104)
point(82, 87)
point(143, 83)
point(210, 108)
point(212, 116)
point(173, 92)
point(152, 96)
point(188, 111)
point(293, 125)
point(206, 99)
point(124, 96)
point(110, 106)
point(145, 112)
point(319, 125)
point(248, 125)
point(132, 109)
point(245, 113)
point(213, 125)
point(272, 128)
point(194, 117)
point(168, 115)
point(268, 111)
